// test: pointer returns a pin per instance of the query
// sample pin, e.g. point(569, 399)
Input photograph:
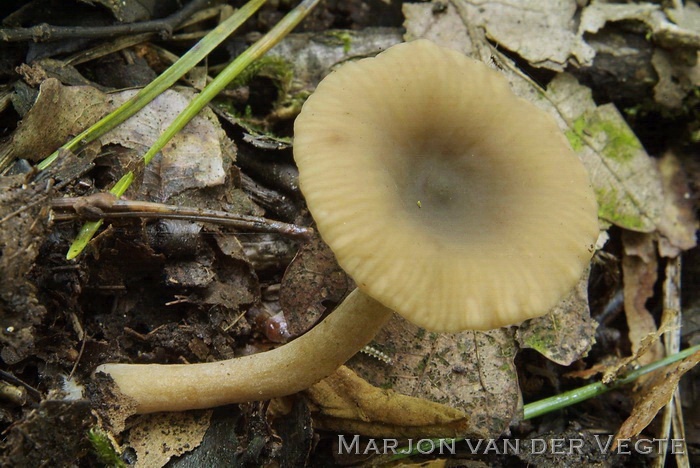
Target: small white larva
point(375, 353)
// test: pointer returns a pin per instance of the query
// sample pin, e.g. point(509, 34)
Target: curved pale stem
point(282, 371)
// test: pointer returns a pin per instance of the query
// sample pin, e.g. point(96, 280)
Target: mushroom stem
point(282, 371)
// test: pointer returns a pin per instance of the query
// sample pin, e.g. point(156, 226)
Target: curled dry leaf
point(345, 402)
point(58, 113)
point(681, 32)
point(657, 394)
point(647, 342)
point(639, 274)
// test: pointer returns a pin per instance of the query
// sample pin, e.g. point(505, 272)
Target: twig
point(254, 52)
point(45, 32)
point(106, 205)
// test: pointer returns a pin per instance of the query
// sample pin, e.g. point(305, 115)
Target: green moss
point(575, 134)
point(541, 340)
point(103, 449)
point(343, 37)
point(421, 365)
point(622, 144)
point(608, 208)
point(273, 67)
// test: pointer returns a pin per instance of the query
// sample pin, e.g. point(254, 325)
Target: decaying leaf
point(313, 277)
point(59, 113)
point(345, 402)
point(669, 34)
point(626, 182)
point(566, 333)
point(647, 342)
point(678, 221)
point(192, 159)
point(312, 55)
point(676, 79)
point(511, 24)
point(159, 437)
point(444, 27)
point(657, 394)
point(639, 273)
point(470, 371)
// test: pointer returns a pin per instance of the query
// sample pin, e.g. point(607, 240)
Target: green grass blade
point(251, 54)
point(163, 82)
point(547, 405)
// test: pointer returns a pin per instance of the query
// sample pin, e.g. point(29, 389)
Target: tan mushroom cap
point(445, 197)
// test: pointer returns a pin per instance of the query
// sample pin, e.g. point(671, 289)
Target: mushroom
point(443, 195)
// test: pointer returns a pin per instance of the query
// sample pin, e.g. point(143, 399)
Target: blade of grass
point(577, 395)
point(163, 82)
point(251, 54)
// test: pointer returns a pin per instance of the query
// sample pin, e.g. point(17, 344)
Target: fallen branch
point(106, 205)
point(45, 32)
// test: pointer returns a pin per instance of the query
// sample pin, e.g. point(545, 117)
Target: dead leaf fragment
point(665, 32)
point(157, 438)
point(647, 342)
point(444, 28)
point(624, 178)
point(678, 222)
point(347, 403)
point(639, 273)
point(510, 25)
point(59, 113)
point(657, 394)
point(470, 371)
point(313, 277)
point(192, 159)
point(566, 333)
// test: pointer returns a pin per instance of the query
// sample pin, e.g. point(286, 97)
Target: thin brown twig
point(45, 32)
point(107, 206)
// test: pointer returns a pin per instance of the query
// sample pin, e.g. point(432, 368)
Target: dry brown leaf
point(651, 340)
point(445, 27)
point(470, 371)
point(587, 373)
point(656, 395)
point(59, 113)
point(313, 277)
point(510, 24)
point(639, 274)
point(678, 221)
point(683, 32)
point(192, 159)
point(345, 402)
point(564, 334)
point(157, 438)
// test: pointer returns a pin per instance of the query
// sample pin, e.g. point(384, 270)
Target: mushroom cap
point(443, 195)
